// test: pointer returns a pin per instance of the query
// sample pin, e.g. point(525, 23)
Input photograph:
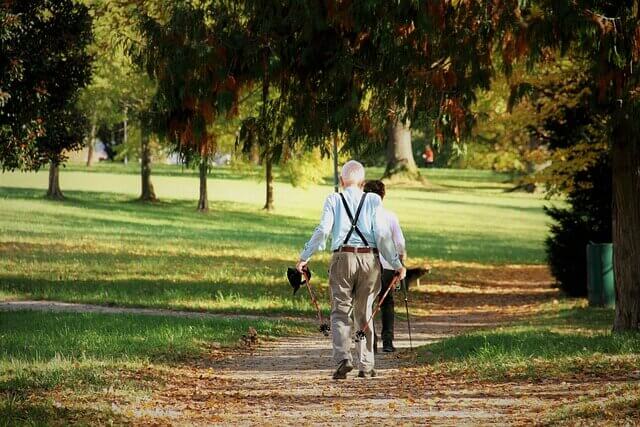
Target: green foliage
point(588, 219)
point(193, 53)
point(306, 169)
point(574, 132)
point(40, 81)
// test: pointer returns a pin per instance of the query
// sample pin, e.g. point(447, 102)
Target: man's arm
point(398, 237)
point(384, 240)
point(320, 234)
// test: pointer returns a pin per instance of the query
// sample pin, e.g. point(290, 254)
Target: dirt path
point(288, 382)
point(69, 307)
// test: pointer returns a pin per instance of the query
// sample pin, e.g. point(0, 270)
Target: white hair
point(352, 172)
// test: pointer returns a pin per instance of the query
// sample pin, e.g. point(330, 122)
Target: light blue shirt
point(372, 223)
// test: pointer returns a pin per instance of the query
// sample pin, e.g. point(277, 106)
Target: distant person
point(387, 308)
point(428, 156)
point(359, 230)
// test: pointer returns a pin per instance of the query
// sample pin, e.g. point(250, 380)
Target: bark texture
point(626, 226)
point(265, 142)
point(269, 178)
point(148, 194)
point(254, 154)
point(54, 191)
point(399, 150)
point(203, 202)
point(92, 139)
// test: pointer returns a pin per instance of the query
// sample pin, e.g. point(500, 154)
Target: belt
point(356, 250)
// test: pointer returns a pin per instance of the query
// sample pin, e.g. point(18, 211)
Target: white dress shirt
point(372, 223)
point(396, 236)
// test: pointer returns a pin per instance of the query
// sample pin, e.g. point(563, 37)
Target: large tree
point(120, 93)
point(43, 65)
point(607, 35)
point(193, 53)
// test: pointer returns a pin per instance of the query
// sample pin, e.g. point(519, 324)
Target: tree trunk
point(254, 154)
point(400, 159)
point(92, 140)
point(125, 135)
point(203, 202)
point(269, 178)
point(54, 191)
point(148, 193)
point(264, 138)
point(626, 225)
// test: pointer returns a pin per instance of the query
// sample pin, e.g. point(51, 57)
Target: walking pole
point(360, 334)
point(406, 306)
point(324, 326)
point(335, 164)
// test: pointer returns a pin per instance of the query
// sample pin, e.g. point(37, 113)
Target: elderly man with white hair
point(359, 232)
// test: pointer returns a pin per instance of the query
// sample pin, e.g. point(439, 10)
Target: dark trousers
point(387, 306)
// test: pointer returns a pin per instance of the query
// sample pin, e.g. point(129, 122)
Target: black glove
point(296, 279)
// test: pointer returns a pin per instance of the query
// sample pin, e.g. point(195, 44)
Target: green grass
point(37, 348)
point(565, 341)
point(85, 353)
point(101, 247)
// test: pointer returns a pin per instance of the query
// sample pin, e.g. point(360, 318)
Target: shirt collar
point(353, 189)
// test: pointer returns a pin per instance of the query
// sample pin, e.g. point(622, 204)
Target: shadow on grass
point(16, 411)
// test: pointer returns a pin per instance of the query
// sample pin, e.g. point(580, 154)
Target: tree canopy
point(43, 64)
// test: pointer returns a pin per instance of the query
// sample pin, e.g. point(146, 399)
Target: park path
point(288, 381)
point(70, 307)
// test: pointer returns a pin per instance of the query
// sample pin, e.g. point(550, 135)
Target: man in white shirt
point(359, 230)
point(387, 308)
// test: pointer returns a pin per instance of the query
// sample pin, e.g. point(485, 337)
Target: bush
point(587, 220)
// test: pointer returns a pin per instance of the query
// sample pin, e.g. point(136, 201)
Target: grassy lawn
point(567, 339)
point(567, 343)
point(45, 356)
point(102, 247)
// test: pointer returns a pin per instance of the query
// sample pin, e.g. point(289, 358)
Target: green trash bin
point(600, 278)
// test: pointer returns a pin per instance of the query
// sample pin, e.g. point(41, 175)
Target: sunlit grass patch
point(562, 341)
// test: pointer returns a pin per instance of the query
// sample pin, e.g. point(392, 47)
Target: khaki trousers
point(354, 280)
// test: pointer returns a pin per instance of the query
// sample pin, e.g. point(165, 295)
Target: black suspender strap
point(354, 220)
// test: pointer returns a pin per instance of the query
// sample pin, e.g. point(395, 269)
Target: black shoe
point(343, 369)
point(363, 374)
point(387, 346)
